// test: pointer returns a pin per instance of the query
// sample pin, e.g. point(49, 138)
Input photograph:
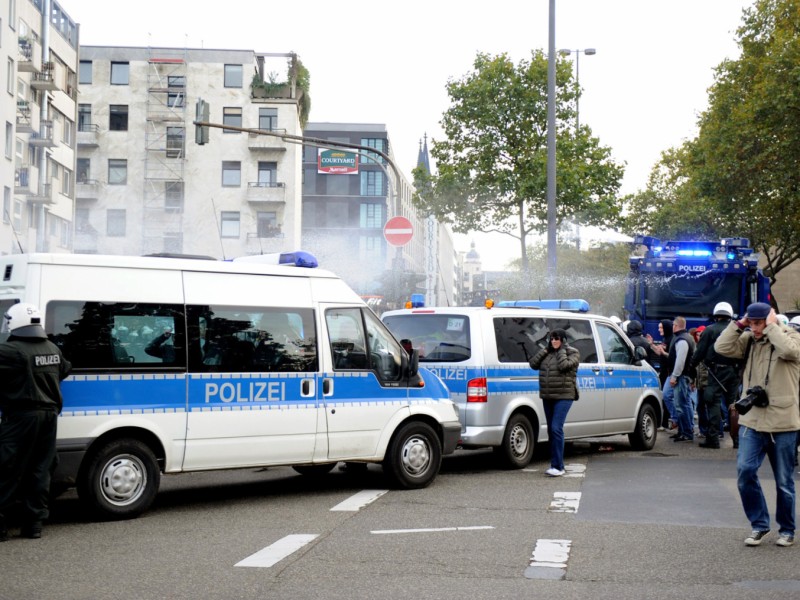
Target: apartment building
point(39, 48)
point(144, 186)
point(348, 196)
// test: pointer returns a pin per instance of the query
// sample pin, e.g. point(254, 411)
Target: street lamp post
point(577, 52)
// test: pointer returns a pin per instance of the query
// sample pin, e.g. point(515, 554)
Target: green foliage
point(596, 275)
point(273, 88)
point(740, 176)
point(492, 163)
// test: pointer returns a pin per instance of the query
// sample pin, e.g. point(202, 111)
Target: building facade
point(144, 186)
point(39, 46)
point(348, 196)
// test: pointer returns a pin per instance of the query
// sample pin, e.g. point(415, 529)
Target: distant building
point(38, 175)
point(144, 186)
point(348, 196)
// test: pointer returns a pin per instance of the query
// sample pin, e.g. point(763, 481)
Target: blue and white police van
point(185, 364)
point(482, 353)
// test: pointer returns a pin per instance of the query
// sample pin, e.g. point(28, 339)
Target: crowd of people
point(741, 377)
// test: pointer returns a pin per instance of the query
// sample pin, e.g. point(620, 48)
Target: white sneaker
point(553, 472)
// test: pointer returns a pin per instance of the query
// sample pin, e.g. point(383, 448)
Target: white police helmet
point(723, 309)
point(782, 319)
point(25, 320)
point(625, 326)
point(616, 319)
point(795, 320)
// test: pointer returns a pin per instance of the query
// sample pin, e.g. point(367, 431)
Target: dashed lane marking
point(549, 559)
point(432, 529)
point(276, 552)
point(566, 502)
point(359, 500)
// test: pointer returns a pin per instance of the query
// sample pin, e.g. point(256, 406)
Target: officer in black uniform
point(31, 368)
point(723, 378)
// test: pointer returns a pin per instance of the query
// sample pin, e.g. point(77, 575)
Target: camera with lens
point(756, 396)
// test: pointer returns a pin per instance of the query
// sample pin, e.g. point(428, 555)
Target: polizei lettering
point(50, 359)
point(246, 391)
point(692, 268)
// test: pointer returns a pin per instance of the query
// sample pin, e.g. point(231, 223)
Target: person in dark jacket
point(661, 350)
point(31, 368)
point(558, 388)
point(636, 335)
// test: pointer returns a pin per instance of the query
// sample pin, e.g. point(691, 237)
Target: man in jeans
point(680, 358)
point(772, 354)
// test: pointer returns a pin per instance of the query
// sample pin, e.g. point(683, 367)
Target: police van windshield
point(437, 337)
point(689, 295)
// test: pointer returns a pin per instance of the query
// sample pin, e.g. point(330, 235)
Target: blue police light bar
point(417, 300)
point(694, 253)
point(297, 258)
point(574, 305)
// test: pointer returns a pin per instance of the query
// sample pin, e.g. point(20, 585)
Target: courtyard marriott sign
point(337, 162)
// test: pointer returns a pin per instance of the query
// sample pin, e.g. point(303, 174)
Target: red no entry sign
point(398, 231)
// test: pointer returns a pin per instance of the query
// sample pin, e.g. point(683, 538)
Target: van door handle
point(596, 370)
point(610, 370)
point(327, 386)
point(307, 388)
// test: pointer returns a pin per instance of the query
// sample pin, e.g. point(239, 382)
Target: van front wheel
point(414, 456)
point(120, 480)
point(644, 436)
point(516, 450)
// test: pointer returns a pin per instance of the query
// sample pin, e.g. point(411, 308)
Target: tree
point(492, 164)
point(739, 177)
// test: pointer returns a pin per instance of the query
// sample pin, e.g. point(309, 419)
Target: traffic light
point(201, 115)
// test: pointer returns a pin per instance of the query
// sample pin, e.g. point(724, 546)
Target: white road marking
point(432, 529)
point(575, 471)
point(359, 500)
point(565, 502)
point(276, 552)
point(551, 553)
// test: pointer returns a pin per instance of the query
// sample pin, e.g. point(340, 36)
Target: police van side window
point(347, 338)
point(580, 337)
point(520, 338)
point(384, 351)
point(615, 349)
point(114, 336)
point(240, 339)
point(437, 337)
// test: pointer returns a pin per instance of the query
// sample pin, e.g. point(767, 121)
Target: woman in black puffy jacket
point(558, 388)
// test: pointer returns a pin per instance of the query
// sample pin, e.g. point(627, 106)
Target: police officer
point(31, 367)
point(723, 380)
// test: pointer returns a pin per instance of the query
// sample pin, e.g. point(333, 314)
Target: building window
point(267, 174)
point(173, 242)
point(17, 215)
point(84, 169)
point(231, 173)
point(268, 119)
point(120, 73)
point(115, 222)
point(372, 183)
point(66, 182)
point(175, 142)
point(6, 204)
point(85, 72)
point(118, 117)
point(10, 76)
point(378, 144)
point(117, 171)
point(267, 224)
point(233, 76)
point(230, 224)
point(370, 248)
point(173, 196)
point(84, 117)
point(68, 132)
point(9, 139)
point(176, 95)
point(231, 116)
point(371, 215)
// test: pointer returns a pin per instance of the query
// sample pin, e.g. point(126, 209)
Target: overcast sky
point(382, 62)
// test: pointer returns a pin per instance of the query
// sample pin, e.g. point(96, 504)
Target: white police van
point(482, 354)
point(188, 365)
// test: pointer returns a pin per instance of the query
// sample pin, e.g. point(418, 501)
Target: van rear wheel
point(414, 456)
point(644, 436)
point(119, 480)
point(518, 444)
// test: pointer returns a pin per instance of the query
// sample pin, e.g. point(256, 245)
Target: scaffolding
point(165, 151)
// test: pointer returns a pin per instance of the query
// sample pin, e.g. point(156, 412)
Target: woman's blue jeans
point(555, 411)
point(780, 448)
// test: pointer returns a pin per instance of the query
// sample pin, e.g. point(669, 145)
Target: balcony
point(25, 123)
point(87, 189)
point(45, 195)
point(29, 60)
point(262, 192)
point(88, 135)
point(44, 137)
point(84, 240)
point(266, 142)
point(44, 80)
point(25, 180)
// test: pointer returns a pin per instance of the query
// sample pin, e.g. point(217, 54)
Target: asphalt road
point(659, 524)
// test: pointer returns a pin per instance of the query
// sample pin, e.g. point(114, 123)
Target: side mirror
point(412, 368)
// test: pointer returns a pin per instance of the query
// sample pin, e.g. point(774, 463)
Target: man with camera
point(769, 415)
